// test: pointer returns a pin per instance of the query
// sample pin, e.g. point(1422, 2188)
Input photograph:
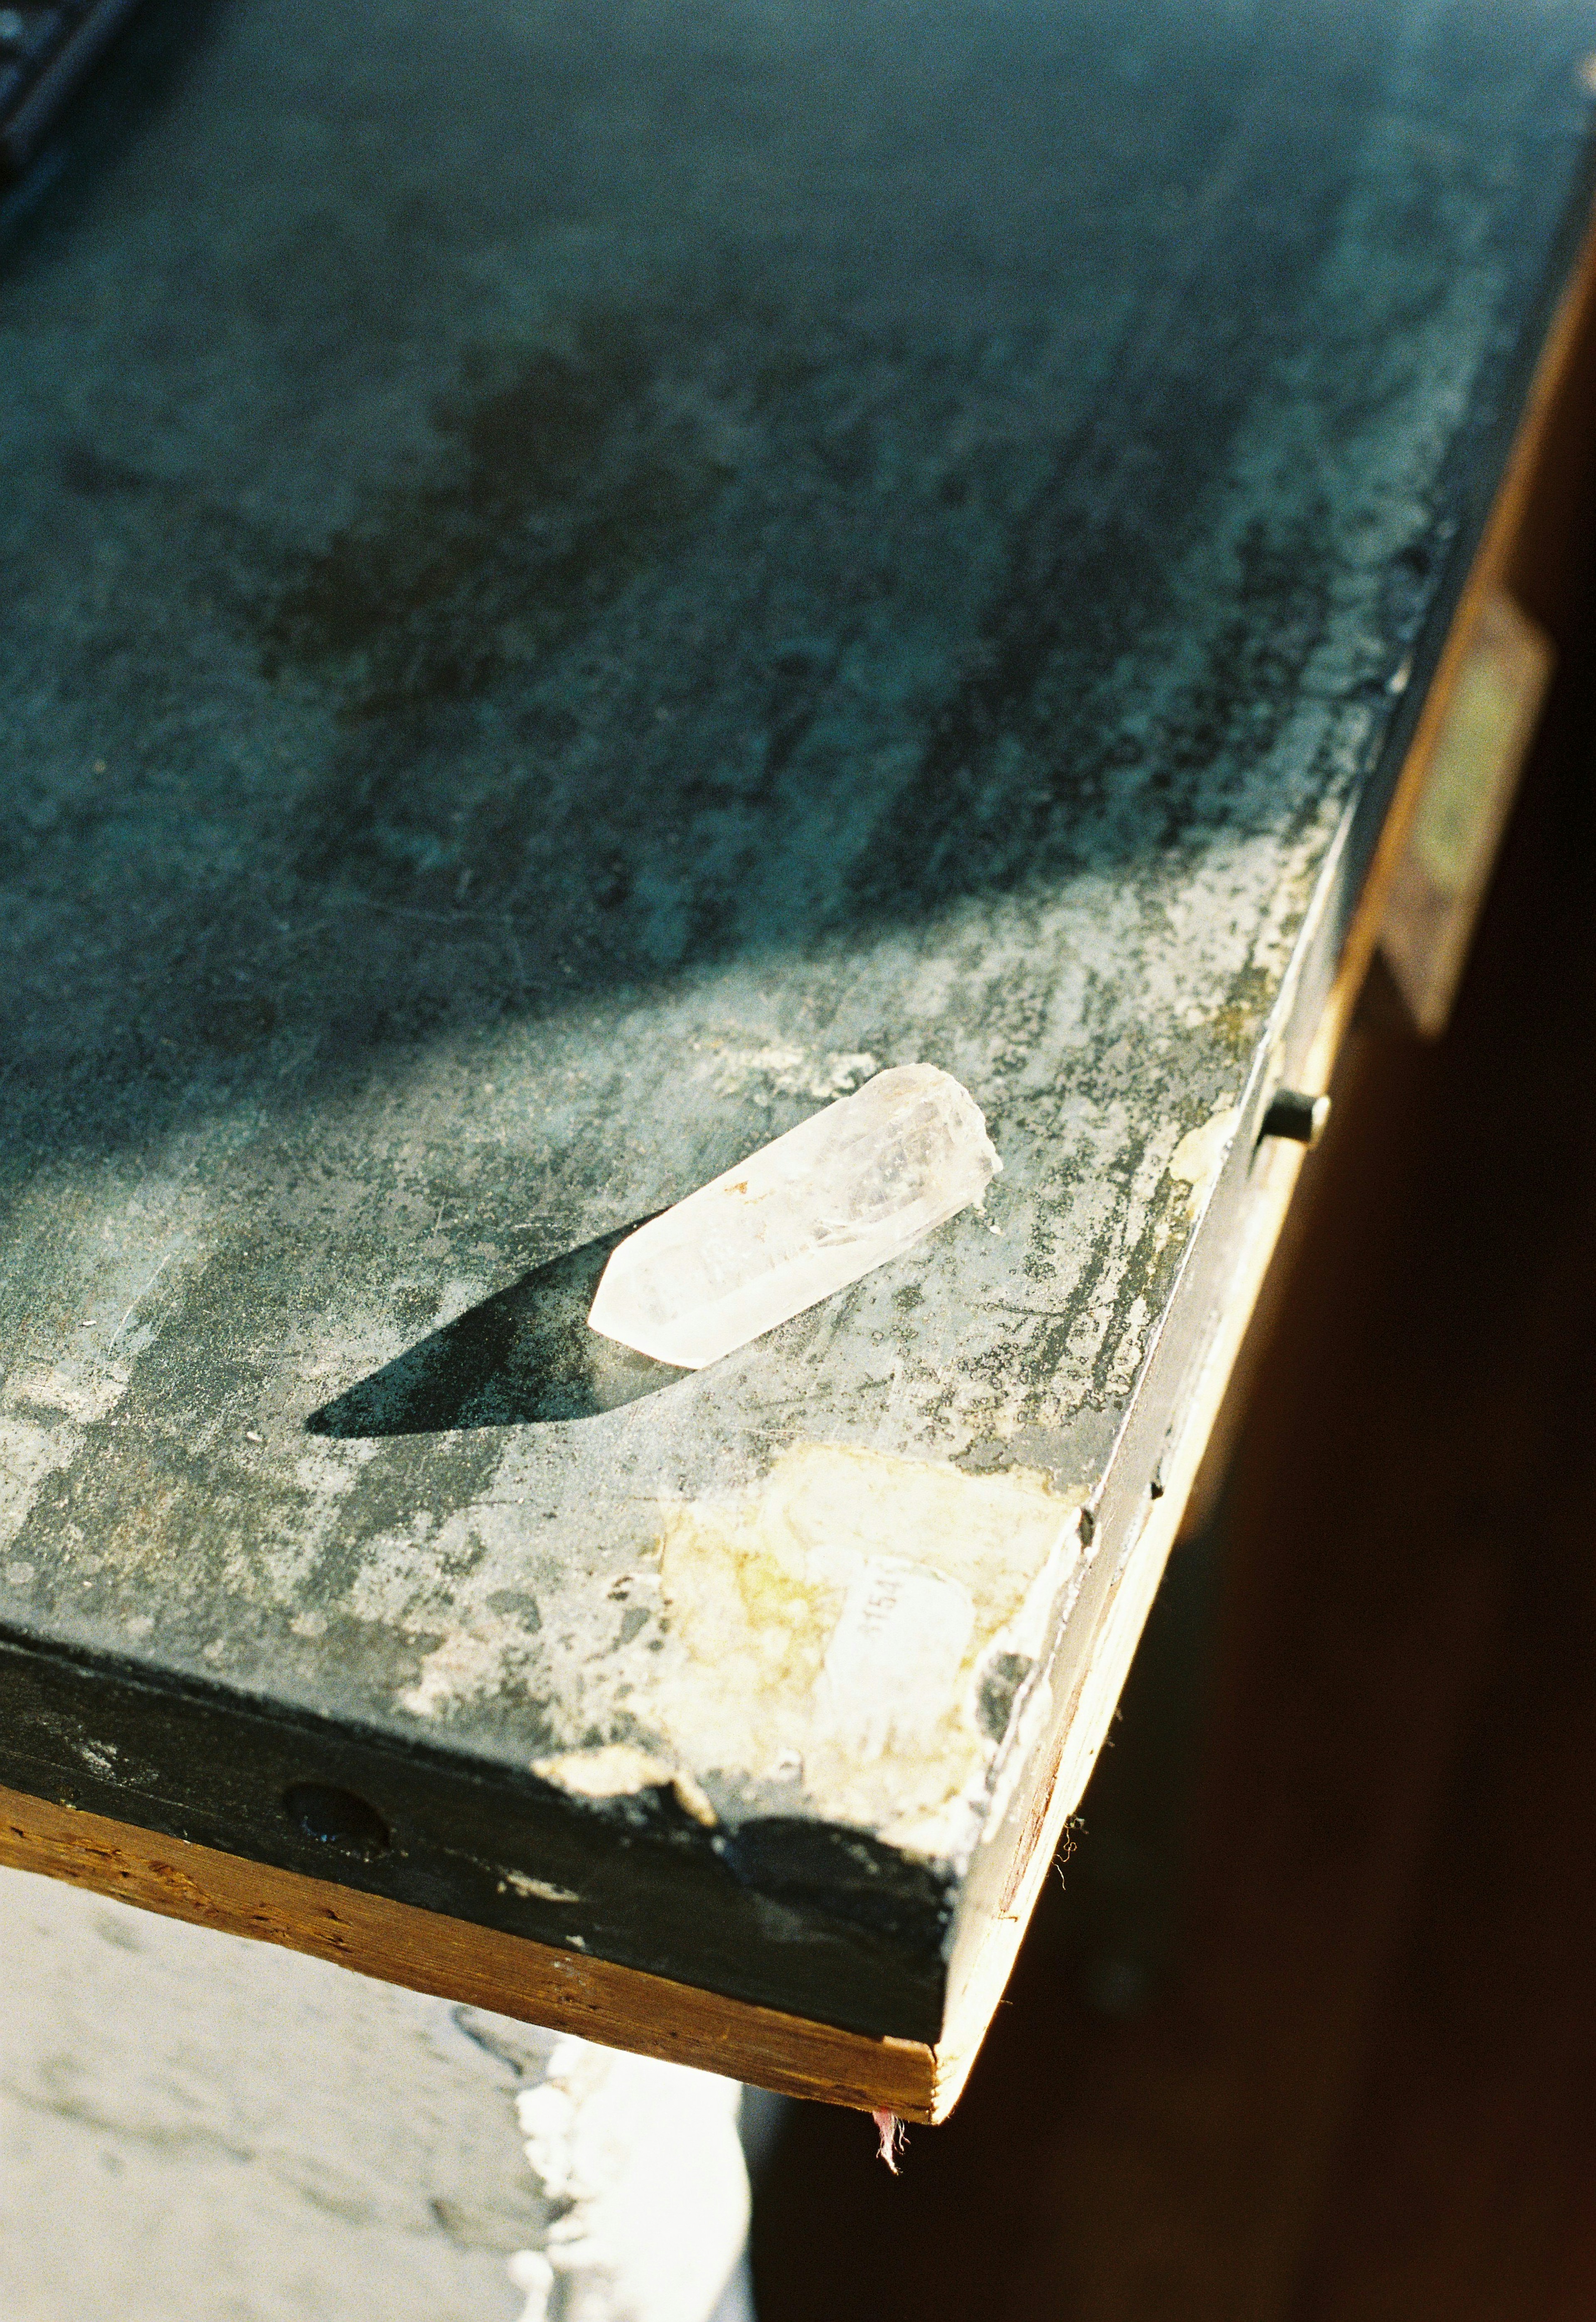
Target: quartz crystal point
point(856, 1184)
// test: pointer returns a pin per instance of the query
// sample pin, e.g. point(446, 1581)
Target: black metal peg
point(1293, 1113)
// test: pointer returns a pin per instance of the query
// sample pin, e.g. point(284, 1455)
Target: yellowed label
point(1484, 736)
point(833, 1626)
point(1482, 732)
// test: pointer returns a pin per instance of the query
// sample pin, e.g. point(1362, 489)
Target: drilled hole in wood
point(336, 1817)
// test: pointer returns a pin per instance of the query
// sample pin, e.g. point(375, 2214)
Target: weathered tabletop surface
point(578, 579)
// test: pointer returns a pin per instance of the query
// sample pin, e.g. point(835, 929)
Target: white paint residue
point(1030, 1631)
point(327, 1470)
point(539, 1889)
point(468, 1661)
point(29, 1452)
point(1049, 1601)
point(97, 1253)
point(1200, 1155)
point(615, 1772)
point(85, 1387)
point(618, 1771)
point(44, 1411)
point(1129, 1347)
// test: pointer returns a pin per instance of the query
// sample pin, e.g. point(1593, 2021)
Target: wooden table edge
point(562, 1990)
point(566, 1990)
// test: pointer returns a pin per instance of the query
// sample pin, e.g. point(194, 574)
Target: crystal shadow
point(523, 1357)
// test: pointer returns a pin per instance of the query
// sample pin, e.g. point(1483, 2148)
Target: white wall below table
point(198, 2128)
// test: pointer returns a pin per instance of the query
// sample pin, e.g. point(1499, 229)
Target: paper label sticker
point(894, 1657)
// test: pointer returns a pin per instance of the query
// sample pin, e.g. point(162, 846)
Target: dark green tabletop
point(579, 579)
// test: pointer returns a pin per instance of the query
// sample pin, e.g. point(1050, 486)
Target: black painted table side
point(579, 581)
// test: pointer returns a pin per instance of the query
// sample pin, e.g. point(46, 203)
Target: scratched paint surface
point(581, 580)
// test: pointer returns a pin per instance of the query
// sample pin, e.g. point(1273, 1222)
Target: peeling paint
point(539, 1890)
point(618, 1771)
point(837, 1617)
point(1198, 1157)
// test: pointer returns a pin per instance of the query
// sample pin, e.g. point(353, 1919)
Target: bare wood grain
point(424, 1951)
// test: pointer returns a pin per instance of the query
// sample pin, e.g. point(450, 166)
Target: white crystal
point(855, 1185)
